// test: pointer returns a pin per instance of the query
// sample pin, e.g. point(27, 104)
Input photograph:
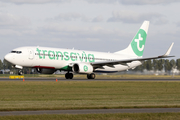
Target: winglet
point(169, 50)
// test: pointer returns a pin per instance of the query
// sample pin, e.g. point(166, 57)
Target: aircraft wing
point(111, 63)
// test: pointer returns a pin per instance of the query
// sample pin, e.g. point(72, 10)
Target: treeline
point(159, 64)
point(5, 65)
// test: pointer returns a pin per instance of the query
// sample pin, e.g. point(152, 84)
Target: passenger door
point(31, 54)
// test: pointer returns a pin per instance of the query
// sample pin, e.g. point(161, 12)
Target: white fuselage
point(56, 58)
point(47, 60)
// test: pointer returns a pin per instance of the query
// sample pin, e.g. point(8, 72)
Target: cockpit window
point(13, 51)
point(18, 52)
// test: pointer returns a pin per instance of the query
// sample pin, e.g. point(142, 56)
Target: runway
point(92, 111)
point(80, 79)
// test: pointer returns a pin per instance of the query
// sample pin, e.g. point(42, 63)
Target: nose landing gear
point(20, 72)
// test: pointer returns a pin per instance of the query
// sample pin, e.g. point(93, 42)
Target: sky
point(95, 25)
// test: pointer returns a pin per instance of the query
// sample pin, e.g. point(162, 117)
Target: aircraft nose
point(8, 57)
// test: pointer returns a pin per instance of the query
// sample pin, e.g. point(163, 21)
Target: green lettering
point(51, 56)
point(57, 54)
point(66, 57)
point(73, 55)
point(91, 58)
point(44, 53)
point(85, 57)
point(39, 52)
point(81, 58)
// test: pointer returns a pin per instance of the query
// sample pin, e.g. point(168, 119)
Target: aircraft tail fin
point(136, 47)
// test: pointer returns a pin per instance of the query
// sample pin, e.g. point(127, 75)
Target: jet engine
point(82, 68)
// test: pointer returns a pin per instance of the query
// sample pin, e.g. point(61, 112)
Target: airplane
point(47, 60)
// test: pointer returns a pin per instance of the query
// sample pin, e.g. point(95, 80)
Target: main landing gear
point(91, 76)
point(69, 75)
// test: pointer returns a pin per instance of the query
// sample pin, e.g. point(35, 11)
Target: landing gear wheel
point(91, 76)
point(88, 76)
point(69, 76)
point(20, 72)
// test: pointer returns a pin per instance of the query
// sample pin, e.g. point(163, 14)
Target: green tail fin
point(138, 43)
point(136, 47)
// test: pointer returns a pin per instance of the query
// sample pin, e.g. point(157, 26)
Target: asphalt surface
point(80, 79)
point(92, 111)
point(89, 111)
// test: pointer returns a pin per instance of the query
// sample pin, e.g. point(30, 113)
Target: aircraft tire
point(20, 72)
point(69, 76)
point(88, 76)
point(91, 76)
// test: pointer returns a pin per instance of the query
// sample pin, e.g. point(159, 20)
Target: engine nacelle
point(45, 70)
point(82, 68)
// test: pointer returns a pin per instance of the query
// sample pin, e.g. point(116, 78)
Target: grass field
point(124, 116)
point(41, 95)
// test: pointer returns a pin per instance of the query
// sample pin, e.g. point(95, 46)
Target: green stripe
point(66, 68)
